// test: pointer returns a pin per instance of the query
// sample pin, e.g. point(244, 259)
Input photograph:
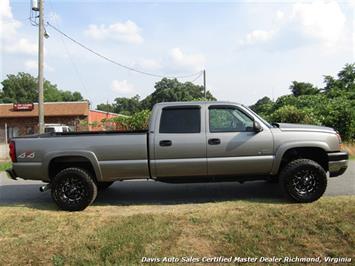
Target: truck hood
point(303, 127)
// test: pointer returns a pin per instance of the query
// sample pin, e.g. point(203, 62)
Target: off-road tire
point(103, 185)
point(303, 180)
point(73, 189)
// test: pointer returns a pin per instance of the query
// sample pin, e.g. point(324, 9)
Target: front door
point(234, 148)
point(180, 142)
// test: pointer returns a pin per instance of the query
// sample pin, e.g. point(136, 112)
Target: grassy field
point(4, 166)
point(124, 234)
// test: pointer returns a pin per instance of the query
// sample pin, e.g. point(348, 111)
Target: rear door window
point(180, 120)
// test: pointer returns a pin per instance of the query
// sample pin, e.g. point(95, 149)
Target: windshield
point(263, 120)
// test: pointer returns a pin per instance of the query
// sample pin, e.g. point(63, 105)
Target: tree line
point(333, 105)
point(166, 90)
point(23, 88)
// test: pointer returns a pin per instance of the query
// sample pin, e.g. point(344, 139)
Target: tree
point(22, 88)
point(343, 85)
point(291, 114)
point(346, 77)
point(340, 114)
point(303, 88)
point(263, 106)
point(166, 90)
point(106, 107)
point(171, 90)
point(331, 106)
point(127, 106)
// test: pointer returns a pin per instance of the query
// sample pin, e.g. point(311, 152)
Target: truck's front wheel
point(73, 189)
point(303, 180)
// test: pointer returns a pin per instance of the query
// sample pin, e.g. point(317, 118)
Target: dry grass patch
point(124, 234)
point(350, 148)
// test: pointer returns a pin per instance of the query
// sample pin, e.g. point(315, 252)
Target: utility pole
point(204, 83)
point(40, 66)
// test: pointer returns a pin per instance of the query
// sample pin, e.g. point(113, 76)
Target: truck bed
point(118, 154)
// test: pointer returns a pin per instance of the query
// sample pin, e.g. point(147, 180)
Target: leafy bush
point(291, 114)
point(332, 106)
point(340, 114)
point(137, 121)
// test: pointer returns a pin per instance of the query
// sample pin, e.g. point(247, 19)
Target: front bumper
point(11, 173)
point(337, 163)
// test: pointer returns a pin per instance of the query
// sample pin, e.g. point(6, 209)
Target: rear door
point(234, 148)
point(180, 142)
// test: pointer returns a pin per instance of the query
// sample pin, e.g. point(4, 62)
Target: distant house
point(22, 119)
point(98, 116)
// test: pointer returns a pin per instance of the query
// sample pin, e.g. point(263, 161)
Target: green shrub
point(291, 114)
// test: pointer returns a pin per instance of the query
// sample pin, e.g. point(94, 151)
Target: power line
point(73, 64)
point(117, 63)
point(78, 74)
point(192, 81)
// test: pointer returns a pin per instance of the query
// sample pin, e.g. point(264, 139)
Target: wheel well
point(313, 153)
point(59, 163)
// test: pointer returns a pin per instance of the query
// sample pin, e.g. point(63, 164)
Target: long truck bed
point(113, 154)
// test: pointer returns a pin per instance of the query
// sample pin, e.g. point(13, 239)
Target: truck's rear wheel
point(303, 180)
point(73, 189)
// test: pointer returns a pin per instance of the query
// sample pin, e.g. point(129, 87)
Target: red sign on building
point(23, 106)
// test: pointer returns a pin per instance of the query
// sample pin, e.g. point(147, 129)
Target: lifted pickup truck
point(186, 142)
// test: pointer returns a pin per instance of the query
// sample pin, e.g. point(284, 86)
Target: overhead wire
point(192, 81)
point(76, 69)
point(120, 64)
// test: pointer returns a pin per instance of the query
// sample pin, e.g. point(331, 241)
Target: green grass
point(4, 166)
point(352, 157)
point(122, 235)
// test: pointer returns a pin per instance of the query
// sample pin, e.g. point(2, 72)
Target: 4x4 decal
point(29, 155)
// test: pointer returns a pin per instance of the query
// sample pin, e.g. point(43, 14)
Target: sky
point(249, 49)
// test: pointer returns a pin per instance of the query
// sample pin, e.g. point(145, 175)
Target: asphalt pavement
point(150, 192)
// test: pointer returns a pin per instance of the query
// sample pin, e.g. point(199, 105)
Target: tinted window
point(49, 129)
point(180, 120)
point(64, 129)
point(229, 120)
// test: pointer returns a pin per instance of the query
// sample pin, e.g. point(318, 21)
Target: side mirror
point(257, 127)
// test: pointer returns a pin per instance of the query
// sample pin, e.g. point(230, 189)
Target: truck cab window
point(229, 120)
point(180, 120)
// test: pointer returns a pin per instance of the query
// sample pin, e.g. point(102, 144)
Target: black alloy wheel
point(303, 180)
point(73, 189)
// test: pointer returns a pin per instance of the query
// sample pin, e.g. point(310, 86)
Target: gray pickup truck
point(185, 142)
